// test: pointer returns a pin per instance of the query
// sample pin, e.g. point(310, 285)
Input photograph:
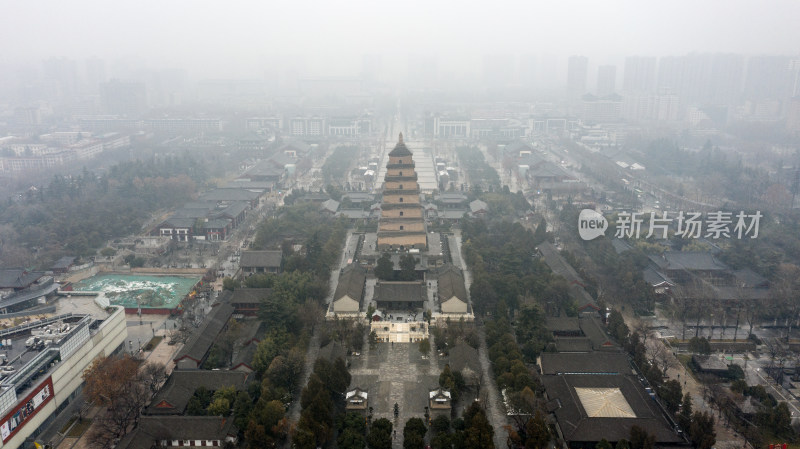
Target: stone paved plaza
point(396, 373)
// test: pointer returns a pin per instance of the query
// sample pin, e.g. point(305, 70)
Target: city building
point(349, 291)
point(451, 127)
point(124, 98)
point(49, 357)
point(577, 74)
point(253, 262)
point(640, 74)
point(596, 397)
point(356, 400)
point(195, 351)
point(606, 80)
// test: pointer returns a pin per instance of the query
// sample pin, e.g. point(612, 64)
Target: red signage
point(26, 409)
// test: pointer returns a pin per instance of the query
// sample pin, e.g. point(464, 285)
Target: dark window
point(401, 213)
point(401, 186)
point(401, 173)
point(401, 199)
point(401, 227)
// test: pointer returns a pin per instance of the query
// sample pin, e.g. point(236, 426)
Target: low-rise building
point(195, 350)
point(349, 291)
point(356, 400)
point(253, 262)
point(439, 402)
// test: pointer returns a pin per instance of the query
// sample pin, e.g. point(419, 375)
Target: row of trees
point(321, 399)
point(476, 168)
point(653, 360)
point(502, 258)
point(77, 215)
point(337, 164)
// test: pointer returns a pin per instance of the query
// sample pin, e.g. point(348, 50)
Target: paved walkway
point(311, 356)
point(727, 438)
point(495, 411)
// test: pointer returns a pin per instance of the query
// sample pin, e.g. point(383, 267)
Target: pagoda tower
point(402, 225)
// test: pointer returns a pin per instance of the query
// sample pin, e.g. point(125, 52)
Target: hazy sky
point(241, 37)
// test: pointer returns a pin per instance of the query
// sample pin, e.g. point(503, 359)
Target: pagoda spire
point(400, 140)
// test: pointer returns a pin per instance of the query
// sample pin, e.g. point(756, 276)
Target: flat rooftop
point(27, 351)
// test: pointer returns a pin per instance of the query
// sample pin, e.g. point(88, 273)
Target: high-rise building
point(727, 76)
point(640, 74)
point(95, 74)
point(606, 80)
point(529, 71)
point(371, 67)
point(64, 72)
point(577, 73)
point(124, 98)
point(402, 225)
point(423, 71)
point(498, 70)
point(769, 77)
point(793, 115)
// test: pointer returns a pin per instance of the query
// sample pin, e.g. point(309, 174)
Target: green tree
point(380, 434)
point(384, 268)
point(220, 407)
point(641, 439)
point(782, 419)
point(617, 327)
point(537, 433)
point(701, 430)
point(603, 444)
point(670, 392)
point(700, 345)
point(685, 414)
point(425, 347)
point(440, 424)
point(540, 235)
point(230, 284)
point(408, 270)
point(479, 433)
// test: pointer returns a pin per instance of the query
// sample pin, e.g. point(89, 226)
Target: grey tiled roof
point(174, 396)
point(203, 337)
point(266, 259)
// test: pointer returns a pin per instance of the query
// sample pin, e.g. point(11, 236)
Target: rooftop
point(269, 259)
point(174, 396)
point(201, 340)
point(400, 149)
point(400, 291)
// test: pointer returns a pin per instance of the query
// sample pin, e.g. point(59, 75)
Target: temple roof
point(400, 149)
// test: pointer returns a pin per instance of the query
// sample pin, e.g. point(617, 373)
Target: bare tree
point(152, 376)
point(785, 297)
point(116, 383)
point(660, 356)
point(681, 307)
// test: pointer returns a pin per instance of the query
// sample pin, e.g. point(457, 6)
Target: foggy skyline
point(329, 39)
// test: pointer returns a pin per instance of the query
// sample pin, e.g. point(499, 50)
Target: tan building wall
point(415, 212)
point(345, 304)
point(400, 332)
point(401, 185)
point(407, 241)
point(409, 198)
point(394, 172)
point(400, 226)
point(454, 305)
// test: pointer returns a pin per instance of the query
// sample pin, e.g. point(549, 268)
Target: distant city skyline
point(247, 38)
